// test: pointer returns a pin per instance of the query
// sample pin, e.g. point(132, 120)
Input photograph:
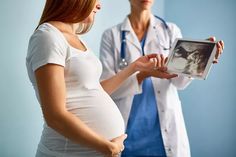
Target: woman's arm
point(52, 92)
point(144, 63)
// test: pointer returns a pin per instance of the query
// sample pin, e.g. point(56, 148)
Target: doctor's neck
point(139, 20)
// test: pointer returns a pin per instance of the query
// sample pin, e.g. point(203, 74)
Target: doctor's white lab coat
point(169, 106)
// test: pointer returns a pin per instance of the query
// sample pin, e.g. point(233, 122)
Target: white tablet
point(191, 57)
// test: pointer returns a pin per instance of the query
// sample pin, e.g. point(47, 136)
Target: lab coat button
point(165, 130)
point(158, 92)
point(169, 149)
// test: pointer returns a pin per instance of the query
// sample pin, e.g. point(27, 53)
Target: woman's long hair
point(68, 11)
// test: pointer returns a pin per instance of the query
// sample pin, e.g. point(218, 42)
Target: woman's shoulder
point(45, 41)
point(46, 34)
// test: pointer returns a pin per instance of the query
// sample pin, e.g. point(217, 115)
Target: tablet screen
point(191, 57)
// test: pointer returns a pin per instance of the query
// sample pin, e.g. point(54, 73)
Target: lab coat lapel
point(130, 35)
point(156, 32)
point(151, 32)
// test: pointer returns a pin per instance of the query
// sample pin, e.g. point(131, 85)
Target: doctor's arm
point(52, 92)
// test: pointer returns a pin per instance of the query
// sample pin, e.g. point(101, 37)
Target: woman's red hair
point(68, 11)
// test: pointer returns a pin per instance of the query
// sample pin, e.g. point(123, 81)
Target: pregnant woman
point(80, 117)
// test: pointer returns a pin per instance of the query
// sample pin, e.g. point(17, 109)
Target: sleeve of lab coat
point(180, 82)
point(109, 58)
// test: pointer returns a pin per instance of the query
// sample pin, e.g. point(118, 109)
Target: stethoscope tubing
point(123, 62)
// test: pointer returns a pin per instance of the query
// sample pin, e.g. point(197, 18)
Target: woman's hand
point(220, 48)
point(117, 146)
point(145, 63)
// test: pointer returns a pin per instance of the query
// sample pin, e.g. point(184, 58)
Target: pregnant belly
point(99, 112)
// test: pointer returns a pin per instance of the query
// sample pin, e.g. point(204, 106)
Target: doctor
point(149, 105)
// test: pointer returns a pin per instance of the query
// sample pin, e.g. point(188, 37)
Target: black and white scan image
point(190, 57)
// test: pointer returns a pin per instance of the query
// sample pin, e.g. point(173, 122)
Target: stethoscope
point(123, 62)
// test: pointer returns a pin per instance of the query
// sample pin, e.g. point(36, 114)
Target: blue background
point(209, 106)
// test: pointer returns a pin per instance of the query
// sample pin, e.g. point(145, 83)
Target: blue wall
point(20, 115)
point(209, 106)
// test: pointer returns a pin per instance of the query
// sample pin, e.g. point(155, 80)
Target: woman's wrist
point(141, 76)
point(107, 148)
point(133, 67)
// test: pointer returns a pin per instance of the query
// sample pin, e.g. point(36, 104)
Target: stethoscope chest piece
point(123, 63)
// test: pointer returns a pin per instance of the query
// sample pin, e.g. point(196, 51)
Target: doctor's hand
point(159, 70)
point(220, 48)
